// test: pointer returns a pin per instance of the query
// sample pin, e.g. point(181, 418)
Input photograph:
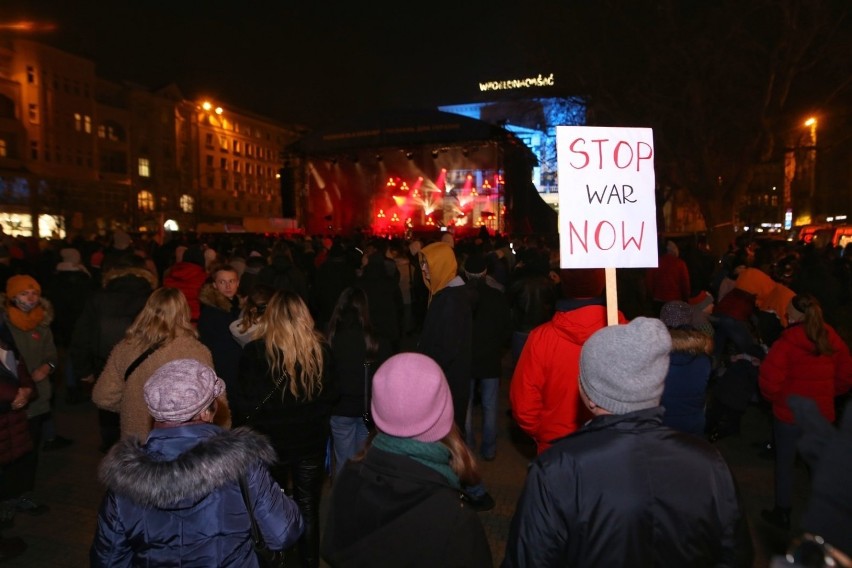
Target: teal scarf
point(434, 455)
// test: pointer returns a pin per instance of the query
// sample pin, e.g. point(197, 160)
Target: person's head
point(411, 399)
point(475, 266)
point(165, 316)
point(677, 314)
point(226, 280)
point(293, 346)
point(623, 367)
point(183, 390)
point(439, 265)
point(255, 305)
point(23, 292)
point(805, 309)
point(582, 282)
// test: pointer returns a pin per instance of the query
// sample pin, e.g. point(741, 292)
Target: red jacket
point(544, 393)
point(187, 277)
point(791, 367)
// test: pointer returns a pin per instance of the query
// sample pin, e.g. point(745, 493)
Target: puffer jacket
point(685, 391)
point(36, 347)
point(176, 501)
point(792, 367)
point(544, 392)
point(627, 491)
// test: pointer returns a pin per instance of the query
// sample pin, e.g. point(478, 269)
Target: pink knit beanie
point(411, 398)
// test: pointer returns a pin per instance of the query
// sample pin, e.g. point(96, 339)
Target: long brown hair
point(164, 317)
point(462, 461)
point(293, 346)
point(353, 308)
point(255, 306)
point(814, 323)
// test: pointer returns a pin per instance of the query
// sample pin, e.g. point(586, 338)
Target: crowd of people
point(245, 369)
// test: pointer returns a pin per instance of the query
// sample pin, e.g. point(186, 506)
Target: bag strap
point(256, 535)
point(266, 398)
point(368, 385)
point(138, 361)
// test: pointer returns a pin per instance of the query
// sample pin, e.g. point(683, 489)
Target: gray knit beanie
point(623, 367)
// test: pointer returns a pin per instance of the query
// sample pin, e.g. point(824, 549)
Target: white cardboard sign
point(607, 210)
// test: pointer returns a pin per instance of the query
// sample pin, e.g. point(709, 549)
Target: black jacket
point(349, 353)
point(492, 326)
point(298, 429)
point(627, 491)
point(447, 338)
point(389, 510)
point(107, 315)
point(217, 313)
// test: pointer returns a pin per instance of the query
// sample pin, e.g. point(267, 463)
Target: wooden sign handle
point(611, 297)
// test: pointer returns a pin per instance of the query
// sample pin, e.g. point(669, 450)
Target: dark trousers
point(786, 437)
point(304, 477)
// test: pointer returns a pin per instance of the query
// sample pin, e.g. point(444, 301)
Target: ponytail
point(815, 328)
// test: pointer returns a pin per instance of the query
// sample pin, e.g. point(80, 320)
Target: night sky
point(310, 62)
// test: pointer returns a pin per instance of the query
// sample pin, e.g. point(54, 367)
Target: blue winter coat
point(176, 501)
point(685, 392)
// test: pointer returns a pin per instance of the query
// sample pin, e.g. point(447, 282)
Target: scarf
point(434, 455)
point(26, 321)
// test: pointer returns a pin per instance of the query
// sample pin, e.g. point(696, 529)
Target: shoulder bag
point(266, 557)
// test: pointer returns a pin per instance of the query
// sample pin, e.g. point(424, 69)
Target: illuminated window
point(87, 124)
point(249, 169)
point(237, 167)
point(3, 148)
point(223, 143)
point(249, 150)
point(236, 146)
point(187, 203)
point(33, 112)
point(101, 131)
point(144, 168)
point(145, 201)
point(78, 122)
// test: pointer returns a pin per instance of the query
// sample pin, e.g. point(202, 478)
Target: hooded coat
point(188, 277)
point(177, 500)
point(544, 392)
point(447, 335)
point(685, 391)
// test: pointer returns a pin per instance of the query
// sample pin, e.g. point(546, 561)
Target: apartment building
point(79, 153)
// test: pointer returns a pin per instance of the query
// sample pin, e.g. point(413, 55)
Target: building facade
point(82, 154)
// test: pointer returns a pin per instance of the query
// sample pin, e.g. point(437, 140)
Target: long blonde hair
point(293, 346)
point(164, 317)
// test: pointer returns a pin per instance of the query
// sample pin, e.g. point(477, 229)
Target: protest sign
point(607, 210)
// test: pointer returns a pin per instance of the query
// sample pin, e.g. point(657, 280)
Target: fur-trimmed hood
point(143, 273)
point(44, 302)
point(219, 458)
point(691, 342)
point(210, 296)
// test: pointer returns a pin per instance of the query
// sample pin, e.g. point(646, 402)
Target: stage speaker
point(288, 192)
